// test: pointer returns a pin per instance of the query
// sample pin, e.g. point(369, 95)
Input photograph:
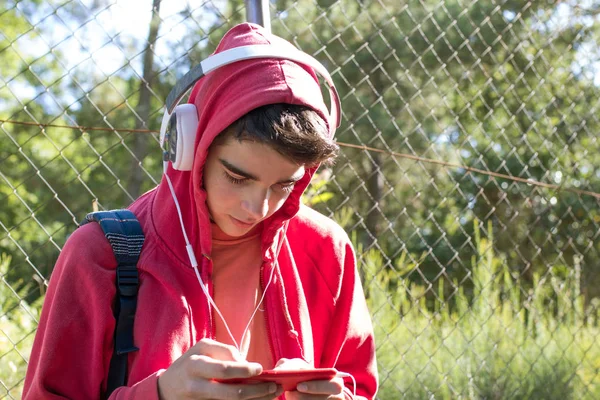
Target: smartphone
point(289, 379)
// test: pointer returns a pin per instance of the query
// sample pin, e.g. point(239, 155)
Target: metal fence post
point(257, 11)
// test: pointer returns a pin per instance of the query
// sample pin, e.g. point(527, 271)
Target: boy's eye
point(287, 187)
point(235, 180)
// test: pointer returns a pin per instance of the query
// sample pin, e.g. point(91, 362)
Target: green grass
point(498, 343)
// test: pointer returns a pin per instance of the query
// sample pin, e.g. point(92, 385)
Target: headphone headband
point(251, 52)
point(181, 121)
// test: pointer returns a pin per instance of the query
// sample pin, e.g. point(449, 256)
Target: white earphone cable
point(275, 266)
point(347, 375)
point(187, 242)
point(194, 262)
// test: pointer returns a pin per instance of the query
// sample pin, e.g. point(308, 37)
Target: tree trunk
point(141, 140)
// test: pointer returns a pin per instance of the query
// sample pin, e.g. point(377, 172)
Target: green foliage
point(317, 192)
point(498, 343)
point(501, 87)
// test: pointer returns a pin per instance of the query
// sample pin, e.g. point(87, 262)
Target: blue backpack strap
point(126, 238)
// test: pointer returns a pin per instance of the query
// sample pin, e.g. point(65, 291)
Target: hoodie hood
point(222, 97)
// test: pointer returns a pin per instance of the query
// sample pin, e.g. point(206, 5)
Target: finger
point(210, 368)
point(307, 396)
point(216, 390)
point(281, 362)
point(273, 396)
point(292, 363)
point(332, 387)
point(217, 350)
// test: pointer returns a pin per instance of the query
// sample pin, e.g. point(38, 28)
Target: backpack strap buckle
point(127, 280)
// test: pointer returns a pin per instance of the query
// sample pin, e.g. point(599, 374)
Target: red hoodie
point(315, 305)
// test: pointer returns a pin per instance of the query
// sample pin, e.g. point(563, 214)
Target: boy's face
point(245, 183)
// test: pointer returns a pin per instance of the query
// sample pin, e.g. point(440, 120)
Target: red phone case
point(289, 379)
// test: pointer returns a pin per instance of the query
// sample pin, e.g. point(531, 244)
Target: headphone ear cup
point(187, 124)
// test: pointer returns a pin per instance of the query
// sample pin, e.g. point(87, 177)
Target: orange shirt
point(237, 291)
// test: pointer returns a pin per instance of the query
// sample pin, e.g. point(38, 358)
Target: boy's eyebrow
point(236, 170)
point(248, 175)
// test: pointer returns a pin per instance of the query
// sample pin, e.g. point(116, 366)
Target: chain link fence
point(468, 176)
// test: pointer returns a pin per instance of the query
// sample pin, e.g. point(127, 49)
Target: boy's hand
point(192, 375)
point(312, 390)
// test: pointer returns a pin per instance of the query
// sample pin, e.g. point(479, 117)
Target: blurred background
point(468, 178)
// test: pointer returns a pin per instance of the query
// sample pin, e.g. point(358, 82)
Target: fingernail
point(272, 388)
point(302, 387)
point(256, 368)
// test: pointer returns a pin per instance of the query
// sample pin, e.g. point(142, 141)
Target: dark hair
point(294, 131)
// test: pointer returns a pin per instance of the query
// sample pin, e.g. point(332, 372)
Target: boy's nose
point(258, 206)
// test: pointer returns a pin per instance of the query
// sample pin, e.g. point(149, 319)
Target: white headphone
point(180, 122)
